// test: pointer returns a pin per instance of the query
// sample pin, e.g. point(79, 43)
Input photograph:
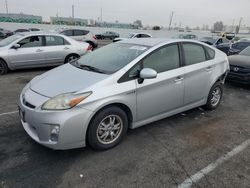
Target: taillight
point(94, 37)
point(90, 48)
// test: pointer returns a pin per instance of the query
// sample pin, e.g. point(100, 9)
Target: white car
point(38, 49)
point(134, 35)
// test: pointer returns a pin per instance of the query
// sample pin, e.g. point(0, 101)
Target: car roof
point(38, 33)
point(154, 41)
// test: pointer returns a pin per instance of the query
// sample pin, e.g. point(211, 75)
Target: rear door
point(198, 73)
point(30, 53)
point(164, 93)
point(56, 49)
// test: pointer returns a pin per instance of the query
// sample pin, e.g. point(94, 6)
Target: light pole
point(6, 4)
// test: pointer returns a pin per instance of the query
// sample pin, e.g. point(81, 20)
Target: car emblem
point(236, 69)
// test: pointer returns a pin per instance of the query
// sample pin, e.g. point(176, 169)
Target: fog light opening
point(54, 133)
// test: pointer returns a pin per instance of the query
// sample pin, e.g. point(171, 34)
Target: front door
point(30, 53)
point(164, 93)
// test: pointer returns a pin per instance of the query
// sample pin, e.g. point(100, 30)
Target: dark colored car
point(220, 43)
point(5, 33)
point(107, 35)
point(21, 30)
point(237, 47)
point(240, 67)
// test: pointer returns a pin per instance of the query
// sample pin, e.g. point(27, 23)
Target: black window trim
point(125, 77)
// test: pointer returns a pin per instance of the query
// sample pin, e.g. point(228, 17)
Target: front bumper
point(39, 123)
point(238, 78)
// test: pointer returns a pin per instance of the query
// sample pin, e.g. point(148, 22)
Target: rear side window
point(68, 32)
point(194, 53)
point(80, 32)
point(54, 41)
point(144, 36)
point(210, 53)
point(162, 60)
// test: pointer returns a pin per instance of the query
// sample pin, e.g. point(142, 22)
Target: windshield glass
point(9, 40)
point(112, 58)
point(245, 52)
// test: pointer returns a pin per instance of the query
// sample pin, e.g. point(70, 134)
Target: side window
point(78, 33)
point(144, 36)
point(54, 41)
point(68, 32)
point(162, 60)
point(210, 53)
point(34, 41)
point(193, 53)
point(219, 41)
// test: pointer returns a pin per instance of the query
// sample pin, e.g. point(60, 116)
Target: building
point(68, 21)
point(117, 25)
point(20, 18)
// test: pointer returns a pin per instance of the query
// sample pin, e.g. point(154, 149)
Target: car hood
point(64, 79)
point(239, 60)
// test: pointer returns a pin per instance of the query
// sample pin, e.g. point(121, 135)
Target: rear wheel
point(214, 97)
point(71, 58)
point(107, 128)
point(3, 67)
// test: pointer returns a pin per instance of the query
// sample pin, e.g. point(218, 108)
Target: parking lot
point(166, 153)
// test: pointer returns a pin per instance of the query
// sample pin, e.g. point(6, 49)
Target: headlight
point(65, 101)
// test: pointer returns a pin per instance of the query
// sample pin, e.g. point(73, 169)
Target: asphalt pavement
point(166, 153)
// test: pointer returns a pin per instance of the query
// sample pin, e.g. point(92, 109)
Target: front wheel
point(3, 67)
point(107, 128)
point(214, 97)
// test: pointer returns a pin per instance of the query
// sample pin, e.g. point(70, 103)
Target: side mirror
point(148, 73)
point(16, 46)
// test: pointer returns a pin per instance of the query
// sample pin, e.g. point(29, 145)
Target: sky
point(152, 12)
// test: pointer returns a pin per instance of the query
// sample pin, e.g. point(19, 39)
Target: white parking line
point(199, 175)
point(8, 113)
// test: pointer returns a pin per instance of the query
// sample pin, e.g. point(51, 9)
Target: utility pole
point(171, 19)
point(101, 14)
point(238, 29)
point(6, 4)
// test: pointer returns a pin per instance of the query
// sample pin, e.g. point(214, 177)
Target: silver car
point(123, 85)
point(134, 35)
point(29, 50)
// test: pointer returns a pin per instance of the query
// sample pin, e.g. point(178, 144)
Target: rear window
point(67, 33)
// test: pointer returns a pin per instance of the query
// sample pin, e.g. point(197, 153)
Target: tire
point(70, 58)
point(3, 67)
point(107, 128)
point(214, 97)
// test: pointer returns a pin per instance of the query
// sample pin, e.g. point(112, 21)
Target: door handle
point(178, 79)
point(39, 50)
point(208, 69)
point(66, 48)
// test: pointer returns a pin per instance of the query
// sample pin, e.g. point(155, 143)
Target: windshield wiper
point(90, 68)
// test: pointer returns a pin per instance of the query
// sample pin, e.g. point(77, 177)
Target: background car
point(240, 67)
point(81, 35)
point(28, 50)
point(107, 35)
point(123, 85)
point(220, 43)
point(21, 30)
point(134, 35)
point(5, 33)
point(237, 47)
point(186, 36)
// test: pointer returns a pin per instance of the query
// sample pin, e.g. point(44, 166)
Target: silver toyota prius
point(127, 84)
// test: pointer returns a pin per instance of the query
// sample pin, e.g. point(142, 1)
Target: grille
point(237, 69)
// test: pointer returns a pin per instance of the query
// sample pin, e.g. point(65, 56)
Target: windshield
point(111, 58)
point(9, 40)
point(245, 52)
